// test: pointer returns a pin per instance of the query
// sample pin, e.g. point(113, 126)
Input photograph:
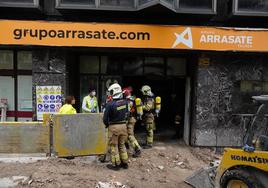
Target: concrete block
point(78, 135)
point(26, 137)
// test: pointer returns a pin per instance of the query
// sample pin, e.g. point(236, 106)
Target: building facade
point(208, 85)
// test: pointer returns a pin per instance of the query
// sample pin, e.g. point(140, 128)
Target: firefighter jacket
point(116, 112)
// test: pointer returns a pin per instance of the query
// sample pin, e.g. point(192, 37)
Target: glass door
point(25, 102)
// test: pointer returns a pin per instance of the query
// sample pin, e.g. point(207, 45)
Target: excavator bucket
point(203, 177)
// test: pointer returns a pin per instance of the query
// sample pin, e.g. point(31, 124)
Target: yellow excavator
point(240, 168)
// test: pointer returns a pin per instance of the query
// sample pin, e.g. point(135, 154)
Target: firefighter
point(67, 108)
point(131, 122)
point(115, 116)
point(90, 102)
point(148, 114)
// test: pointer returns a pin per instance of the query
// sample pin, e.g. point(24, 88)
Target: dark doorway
point(172, 91)
point(165, 75)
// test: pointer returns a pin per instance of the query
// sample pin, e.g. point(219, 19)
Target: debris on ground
point(21, 158)
point(12, 181)
point(110, 185)
point(176, 160)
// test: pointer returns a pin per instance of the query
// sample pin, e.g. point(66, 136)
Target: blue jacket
point(116, 111)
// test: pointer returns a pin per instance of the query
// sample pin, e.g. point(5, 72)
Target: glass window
point(6, 59)
point(7, 91)
point(78, 2)
point(87, 82)
point(265, 87)
point(253, 5)
point(133, 66)
point(142, 2)
point(25, 60)
point(89, 64)
point(176, 66)
point(17, 1)
point(110, 65)
point(171, 2)
point(25, 93)
point(154, 66)
point(253, 86)
point(197, 4)
point(122, 3)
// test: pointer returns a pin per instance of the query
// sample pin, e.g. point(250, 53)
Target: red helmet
point(109, 98)
point(127, 92)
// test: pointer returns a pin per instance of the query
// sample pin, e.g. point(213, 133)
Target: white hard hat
point(146, 90)
point(115, 90)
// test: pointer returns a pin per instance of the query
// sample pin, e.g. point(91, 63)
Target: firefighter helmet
point(146, 90)
point(115, 90)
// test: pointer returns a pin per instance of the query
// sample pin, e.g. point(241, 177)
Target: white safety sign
point(48, 100)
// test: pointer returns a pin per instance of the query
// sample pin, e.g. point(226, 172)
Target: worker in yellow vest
point(90, 102)
point(67, 108)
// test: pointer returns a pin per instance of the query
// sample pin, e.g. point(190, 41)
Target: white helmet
point(146, 90)
point(115, 90)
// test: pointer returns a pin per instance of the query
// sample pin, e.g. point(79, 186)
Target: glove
point(248, 148)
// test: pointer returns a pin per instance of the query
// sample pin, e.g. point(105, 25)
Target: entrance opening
point(166, 76)
point(171, 90)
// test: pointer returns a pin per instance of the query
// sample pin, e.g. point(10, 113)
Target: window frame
point(15, 73)
point(35, 4)
point(60, 5)
point(96, 6)
point(146, 5)
point(198, 10)
point(137, 6)
point(237, 12)
point(117, 8)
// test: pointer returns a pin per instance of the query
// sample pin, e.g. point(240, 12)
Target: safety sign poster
point(48, 100)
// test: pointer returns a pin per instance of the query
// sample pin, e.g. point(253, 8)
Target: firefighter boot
point(137, 153)
point(124, 165)
point(113, 167)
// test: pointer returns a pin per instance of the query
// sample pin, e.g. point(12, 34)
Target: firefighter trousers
point(149, 123)
point(119, 136)
point(131, 137)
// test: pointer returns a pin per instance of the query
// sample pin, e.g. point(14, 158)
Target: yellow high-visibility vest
point(88, 103)
point(67, 109)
